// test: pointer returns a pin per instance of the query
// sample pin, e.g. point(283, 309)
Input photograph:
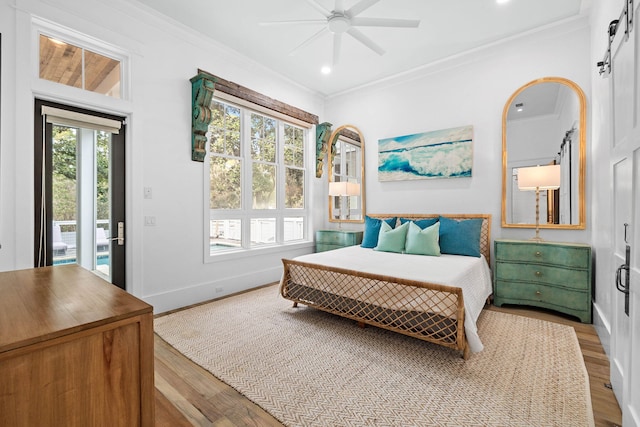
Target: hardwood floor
point(188, 395)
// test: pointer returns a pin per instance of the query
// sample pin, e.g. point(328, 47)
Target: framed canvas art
point(445, 153)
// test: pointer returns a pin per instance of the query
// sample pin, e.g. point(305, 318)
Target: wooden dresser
point(75, 350)
point(556, 276)
point(327, 240)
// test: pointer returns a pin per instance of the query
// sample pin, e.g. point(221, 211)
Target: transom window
point(71, 65)
point(257, 175)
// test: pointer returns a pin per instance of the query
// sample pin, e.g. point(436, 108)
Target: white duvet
point(471, 274)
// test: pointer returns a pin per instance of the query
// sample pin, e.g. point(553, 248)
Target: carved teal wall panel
point(202, 86)
point(323, 131)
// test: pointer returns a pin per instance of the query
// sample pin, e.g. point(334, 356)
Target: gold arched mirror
point(346, 175)
point(543, 123)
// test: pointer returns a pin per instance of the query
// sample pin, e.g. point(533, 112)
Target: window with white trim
point(74, 65)
point(257, 179)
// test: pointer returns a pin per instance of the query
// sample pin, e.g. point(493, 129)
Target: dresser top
point(39, 304)
point(544, 242)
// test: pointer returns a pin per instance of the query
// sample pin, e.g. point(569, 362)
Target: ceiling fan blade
point(294, 22)
point(385, 22)
point(307, 41)
point(339, 7)
point(360, 7)
point(337, 44)
point(356, 34)
point(320, 8)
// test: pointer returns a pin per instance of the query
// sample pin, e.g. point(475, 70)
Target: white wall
point(164, 263)
point(467, 90)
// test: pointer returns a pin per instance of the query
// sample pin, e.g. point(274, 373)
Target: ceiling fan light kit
point(338, 24)
point(340, 21)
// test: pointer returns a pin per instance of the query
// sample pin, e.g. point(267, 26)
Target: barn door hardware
point(626, 17)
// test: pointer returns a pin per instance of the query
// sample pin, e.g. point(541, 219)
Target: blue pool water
point(218, 246)
point(102, 260)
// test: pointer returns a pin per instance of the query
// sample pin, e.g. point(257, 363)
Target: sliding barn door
point(625, 178)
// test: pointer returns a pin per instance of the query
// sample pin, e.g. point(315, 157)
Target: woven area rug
point(309, 368)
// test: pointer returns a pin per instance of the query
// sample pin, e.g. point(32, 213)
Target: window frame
point(246, 213)
point(41, 27)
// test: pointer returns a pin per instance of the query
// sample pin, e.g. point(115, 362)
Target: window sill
point(259, 251)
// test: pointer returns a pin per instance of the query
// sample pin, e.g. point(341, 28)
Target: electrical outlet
point(150, 221)
point(148, 193)
point(219, 289)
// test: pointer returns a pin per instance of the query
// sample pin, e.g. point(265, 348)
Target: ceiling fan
point(339, 21)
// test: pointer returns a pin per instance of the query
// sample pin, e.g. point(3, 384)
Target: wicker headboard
point(485, 231)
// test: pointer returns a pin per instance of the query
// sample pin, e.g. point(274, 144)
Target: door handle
point(120, 236)
point(623, 286)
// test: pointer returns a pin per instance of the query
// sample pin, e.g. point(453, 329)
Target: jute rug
point(310, 368)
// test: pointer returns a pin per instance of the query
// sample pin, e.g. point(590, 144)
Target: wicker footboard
point(430, 312)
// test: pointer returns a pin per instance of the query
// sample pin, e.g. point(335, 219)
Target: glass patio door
point(80, 214)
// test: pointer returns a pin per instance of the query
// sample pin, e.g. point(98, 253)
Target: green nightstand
point(327, 240)
point(552, 275)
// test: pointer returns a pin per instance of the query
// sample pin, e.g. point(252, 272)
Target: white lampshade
point(337, 188)
point(353, 189)
point(540, 177)
point(344, 188)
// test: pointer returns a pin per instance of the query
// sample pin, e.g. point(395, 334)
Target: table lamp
point(539, 178)
point(344, 188)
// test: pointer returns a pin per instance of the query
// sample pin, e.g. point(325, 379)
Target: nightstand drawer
point(544, 274)
point(569, 278)
point(547, 296)
point(567, 256)
point(333, 239)
point(340, 238)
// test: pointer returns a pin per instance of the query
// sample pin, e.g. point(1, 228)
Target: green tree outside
point(64, 164)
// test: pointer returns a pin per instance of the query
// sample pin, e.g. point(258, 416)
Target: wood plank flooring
point(188, 395)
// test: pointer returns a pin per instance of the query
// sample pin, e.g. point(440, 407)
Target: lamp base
point(537, 237)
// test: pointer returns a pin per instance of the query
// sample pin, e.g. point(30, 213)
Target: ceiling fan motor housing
point(338, 23)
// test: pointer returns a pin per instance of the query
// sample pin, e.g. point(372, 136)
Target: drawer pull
point(538, 273)
point(538, 254)
point(538, 293)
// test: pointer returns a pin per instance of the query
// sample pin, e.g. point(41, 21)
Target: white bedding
point(471, 274)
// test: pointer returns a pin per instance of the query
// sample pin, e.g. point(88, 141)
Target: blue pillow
point(372, 230)
point(390, 239)
point(460, 237)
point(422, 223)
point(423, 242)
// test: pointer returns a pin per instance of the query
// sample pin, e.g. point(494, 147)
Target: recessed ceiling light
point(502, 1)
point(325, 69)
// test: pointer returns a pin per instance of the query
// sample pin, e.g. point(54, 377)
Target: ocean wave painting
point(446, 153)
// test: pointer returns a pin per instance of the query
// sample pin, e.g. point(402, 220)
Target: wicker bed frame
point(409, 307)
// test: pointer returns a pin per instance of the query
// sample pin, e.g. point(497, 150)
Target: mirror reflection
point(346, 176)
point(543, 124)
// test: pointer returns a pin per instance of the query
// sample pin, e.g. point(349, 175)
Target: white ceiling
point(447, 28)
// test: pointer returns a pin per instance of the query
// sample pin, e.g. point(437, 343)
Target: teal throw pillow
point(372, 230)
point(423, 242)
point(422, 223)
point(390, 239)
point(460, 237)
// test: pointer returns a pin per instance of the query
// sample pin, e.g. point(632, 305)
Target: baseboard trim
point(603, 329)
point(183, 297)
